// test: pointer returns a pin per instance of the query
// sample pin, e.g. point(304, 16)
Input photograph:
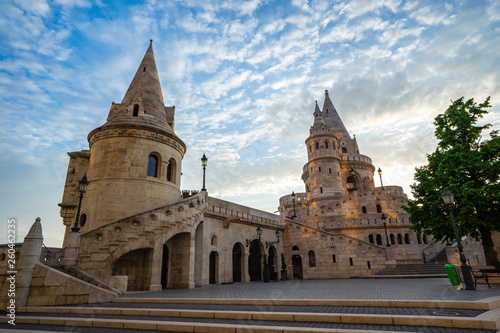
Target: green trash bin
point(450, 270)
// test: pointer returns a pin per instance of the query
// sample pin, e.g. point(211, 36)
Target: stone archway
point(297, 267)
point(255, 261)
point(237, 262)
point(273, 262)
point(213, 264)
point(136, 265)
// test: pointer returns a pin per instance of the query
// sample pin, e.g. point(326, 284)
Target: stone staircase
point(431, 269)
point(143, 315)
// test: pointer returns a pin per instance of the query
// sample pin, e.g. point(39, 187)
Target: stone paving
point(393, 289)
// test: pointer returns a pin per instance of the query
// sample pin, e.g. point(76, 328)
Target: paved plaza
point(387, 289)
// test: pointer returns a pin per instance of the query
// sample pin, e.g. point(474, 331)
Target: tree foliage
point(468, 166)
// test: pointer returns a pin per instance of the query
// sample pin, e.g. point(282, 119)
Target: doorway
point(237, 262)
point(297, 266)
point(254, 262)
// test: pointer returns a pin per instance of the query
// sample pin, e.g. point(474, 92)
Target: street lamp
point(380, 174)
point(384, 217)
point(259, 233)
point(449, 201)
point(204, 162)
point(82, 188)
point(278, 235)
point(293, 200)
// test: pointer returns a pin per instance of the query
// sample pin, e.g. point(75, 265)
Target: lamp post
point(259, 233)
point(380, 174)
point(204, 162)
point(278, 235)
point(82, 187)
point(293, 200)
point(384, 217)
point(449, 201)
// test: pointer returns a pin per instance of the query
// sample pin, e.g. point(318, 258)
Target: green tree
point(469, 167)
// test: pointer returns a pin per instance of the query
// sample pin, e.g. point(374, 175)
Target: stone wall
point(52, 287)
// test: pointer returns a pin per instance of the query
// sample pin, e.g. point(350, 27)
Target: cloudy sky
point(243, 76)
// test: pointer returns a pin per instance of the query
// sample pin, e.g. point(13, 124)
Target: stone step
point(247, 315)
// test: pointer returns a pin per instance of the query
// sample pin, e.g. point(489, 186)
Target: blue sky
point(243, 76)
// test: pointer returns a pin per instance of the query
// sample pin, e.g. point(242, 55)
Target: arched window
point(312, 259)
point(295, 248)
point(351, 184)
point(344, 151)
point(393, 240)
point(419, 241)
point(379, 239)
point(407, 239)
point(83, 220)
point(153, 166)
point(370, 238)
point(317, 145)
point(326, 144)
point(425, 239)
point(379, 208)
point(136, 110)
point(363, 209)
point(400, 239)
point(171, 168)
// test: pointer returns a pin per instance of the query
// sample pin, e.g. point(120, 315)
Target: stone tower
point(135, 158)
point(335, 168)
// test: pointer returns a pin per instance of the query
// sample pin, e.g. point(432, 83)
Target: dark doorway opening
point(164, 267)
point(213, 266)
point(254, 262)
point(237, 263)
point(297, 266)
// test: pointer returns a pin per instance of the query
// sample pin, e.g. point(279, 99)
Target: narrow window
point(326, 144)
point(312, 259)
point(379, 209)
point(344, 151)
point(330, 170)
point(379, 239)
point(425, 239)
point(334, 259)
point(393, 240)
point(310, 149)
point(319, 169)
point(83, 220)
point(153, 166)
point(171, 169)
point(317, 145)
point(400, 239)
point(407, 239)
point(350, 262)
point(368, 264)
point(136, 110)
point(321, 189)
point(363, 209)
point(144, 69)
point(370, 238)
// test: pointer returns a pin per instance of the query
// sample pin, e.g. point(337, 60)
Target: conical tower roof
point(143, 102)
point(332, 118)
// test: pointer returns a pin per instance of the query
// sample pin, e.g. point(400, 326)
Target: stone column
point(30, 256)
point(71, 251)
point(156, 267)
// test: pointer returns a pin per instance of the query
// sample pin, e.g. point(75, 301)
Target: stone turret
point(135, 158)
point(30, 256)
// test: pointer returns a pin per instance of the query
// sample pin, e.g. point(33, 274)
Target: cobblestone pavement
point(393, 289)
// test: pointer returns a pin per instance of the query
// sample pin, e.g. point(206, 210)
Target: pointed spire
point(143, 101)
point(318, 117)
point(332, 118)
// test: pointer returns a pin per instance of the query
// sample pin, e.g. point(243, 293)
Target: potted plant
point(266, 272)
point(283, 267)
